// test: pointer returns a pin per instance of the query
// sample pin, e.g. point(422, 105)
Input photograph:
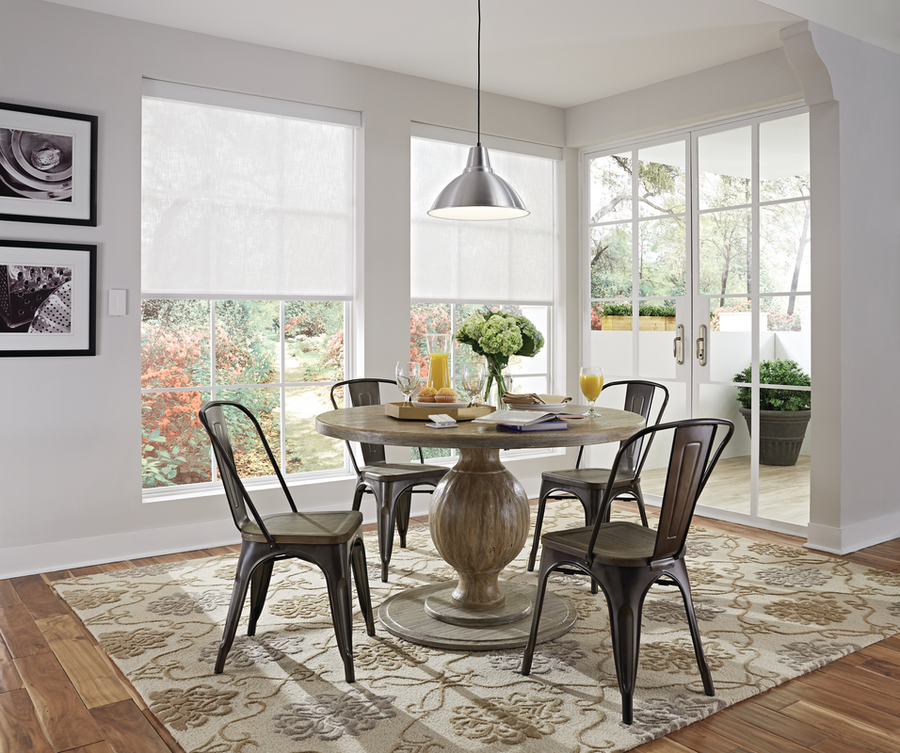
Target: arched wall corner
point(849, 86)
point(824, 530)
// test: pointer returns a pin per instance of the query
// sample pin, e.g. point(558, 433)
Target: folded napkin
point(532, 398)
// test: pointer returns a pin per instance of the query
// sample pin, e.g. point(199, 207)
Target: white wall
point(852, 90)
point(70, 442)
point(70, 439)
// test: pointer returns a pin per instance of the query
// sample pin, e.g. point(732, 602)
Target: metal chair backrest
point(363, 391)
point(639, 397)
point(691, 461)
point(213, 417)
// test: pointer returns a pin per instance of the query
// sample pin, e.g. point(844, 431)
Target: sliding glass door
point(699, 258)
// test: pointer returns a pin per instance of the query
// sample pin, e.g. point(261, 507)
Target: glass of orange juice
point(591, 381)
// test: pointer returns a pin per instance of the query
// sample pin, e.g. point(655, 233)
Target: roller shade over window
point(229, 210)
point(502, 261)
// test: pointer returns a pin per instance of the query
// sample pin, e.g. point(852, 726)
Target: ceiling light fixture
point(479, 193)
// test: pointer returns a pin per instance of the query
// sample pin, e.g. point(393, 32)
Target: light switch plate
point(118, 300)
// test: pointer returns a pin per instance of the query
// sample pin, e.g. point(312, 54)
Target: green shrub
point(644, 309)
point(779, 371)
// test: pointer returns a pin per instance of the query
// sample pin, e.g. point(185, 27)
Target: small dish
point(438, 407)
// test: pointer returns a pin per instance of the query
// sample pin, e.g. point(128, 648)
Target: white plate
point(439, 406)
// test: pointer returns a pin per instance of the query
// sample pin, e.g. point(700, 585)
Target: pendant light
point(479, 193)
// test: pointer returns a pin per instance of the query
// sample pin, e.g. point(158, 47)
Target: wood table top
point(371, 425)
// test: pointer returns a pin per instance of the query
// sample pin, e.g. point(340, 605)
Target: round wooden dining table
point(479, 518)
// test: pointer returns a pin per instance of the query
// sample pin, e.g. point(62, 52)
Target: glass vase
point(497, 384)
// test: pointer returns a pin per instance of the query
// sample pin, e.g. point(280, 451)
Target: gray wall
point(70, 439)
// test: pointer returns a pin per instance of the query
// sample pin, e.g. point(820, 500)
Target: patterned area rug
point(767, 613)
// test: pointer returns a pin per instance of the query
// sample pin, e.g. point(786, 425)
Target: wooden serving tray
point(397, 410)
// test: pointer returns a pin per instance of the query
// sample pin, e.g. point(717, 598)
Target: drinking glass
point(407, 375)
point(591, 381)
point(473, 378)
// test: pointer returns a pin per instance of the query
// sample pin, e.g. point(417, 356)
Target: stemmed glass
point(591, 381)
point(473, 378)
point(407, 375)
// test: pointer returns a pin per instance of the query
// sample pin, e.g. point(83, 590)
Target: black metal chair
point(626, 559)
point(392, 484)
point(330, 540)
point(588, 484)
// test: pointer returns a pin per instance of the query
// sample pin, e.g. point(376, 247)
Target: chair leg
point(404, 501)
point(538, 522)
point(249, 558)
point(259, 586)
point(625, 597)
point(681, 579)
point(361, 576)
point(336, 566)
point(386, 514)
point(528, 655)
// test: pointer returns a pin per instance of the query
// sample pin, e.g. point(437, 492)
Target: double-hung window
point(462, 266)
point(247, 248)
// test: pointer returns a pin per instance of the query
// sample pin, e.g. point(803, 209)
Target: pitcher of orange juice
point(439, 356)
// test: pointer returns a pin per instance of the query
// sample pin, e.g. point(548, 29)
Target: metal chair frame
point(391, 484)
point(639, 397)
point(626, 559)
point(331, 541)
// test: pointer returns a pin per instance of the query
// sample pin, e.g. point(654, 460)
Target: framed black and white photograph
point(48, 166)
point(48, 299)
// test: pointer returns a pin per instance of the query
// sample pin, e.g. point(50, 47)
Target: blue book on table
point(541, 426)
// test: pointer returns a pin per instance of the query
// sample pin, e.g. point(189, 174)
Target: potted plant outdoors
point(783, 414)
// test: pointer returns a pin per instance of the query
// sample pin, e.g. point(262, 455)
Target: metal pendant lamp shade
point(479, 193)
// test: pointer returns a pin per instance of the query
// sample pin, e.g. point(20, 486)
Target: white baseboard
point(98, 550)
point(854, 537)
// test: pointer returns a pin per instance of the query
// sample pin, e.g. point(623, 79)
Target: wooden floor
point(59, 691)
point(783, 490)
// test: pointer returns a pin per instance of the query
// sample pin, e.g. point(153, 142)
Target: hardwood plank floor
point(60, 694)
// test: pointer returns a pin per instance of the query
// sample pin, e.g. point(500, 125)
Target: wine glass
point(473, 378)
point(407, 375)
point(591, 381)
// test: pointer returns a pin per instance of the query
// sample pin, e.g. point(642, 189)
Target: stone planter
point(781, 434)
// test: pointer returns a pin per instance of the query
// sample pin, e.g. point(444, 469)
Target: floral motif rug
point(767, 613)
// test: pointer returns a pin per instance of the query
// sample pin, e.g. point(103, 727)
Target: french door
point(698, 272)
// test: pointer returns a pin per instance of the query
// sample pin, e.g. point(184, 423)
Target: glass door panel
point(729, 487)
point(715, 230)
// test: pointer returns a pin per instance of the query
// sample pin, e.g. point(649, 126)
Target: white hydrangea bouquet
point(497, 336)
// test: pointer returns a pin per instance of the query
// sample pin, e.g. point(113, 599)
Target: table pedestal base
point(427, 616)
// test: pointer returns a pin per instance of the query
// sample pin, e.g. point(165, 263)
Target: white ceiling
point(558, 52)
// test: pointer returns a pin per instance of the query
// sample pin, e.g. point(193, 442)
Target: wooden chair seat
point(619, 543)
point(588, 478)
point(305, 528)
point(402, 471)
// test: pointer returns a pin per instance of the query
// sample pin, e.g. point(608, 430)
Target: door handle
point(701, 345)
point(678, 345)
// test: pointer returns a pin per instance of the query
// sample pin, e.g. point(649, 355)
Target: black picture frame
point(48, 299)
point(48, 166)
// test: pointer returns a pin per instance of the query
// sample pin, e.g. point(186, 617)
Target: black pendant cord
point(479, 74)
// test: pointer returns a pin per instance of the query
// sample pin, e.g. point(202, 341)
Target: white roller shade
point(507, 261)
point(242, 203)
